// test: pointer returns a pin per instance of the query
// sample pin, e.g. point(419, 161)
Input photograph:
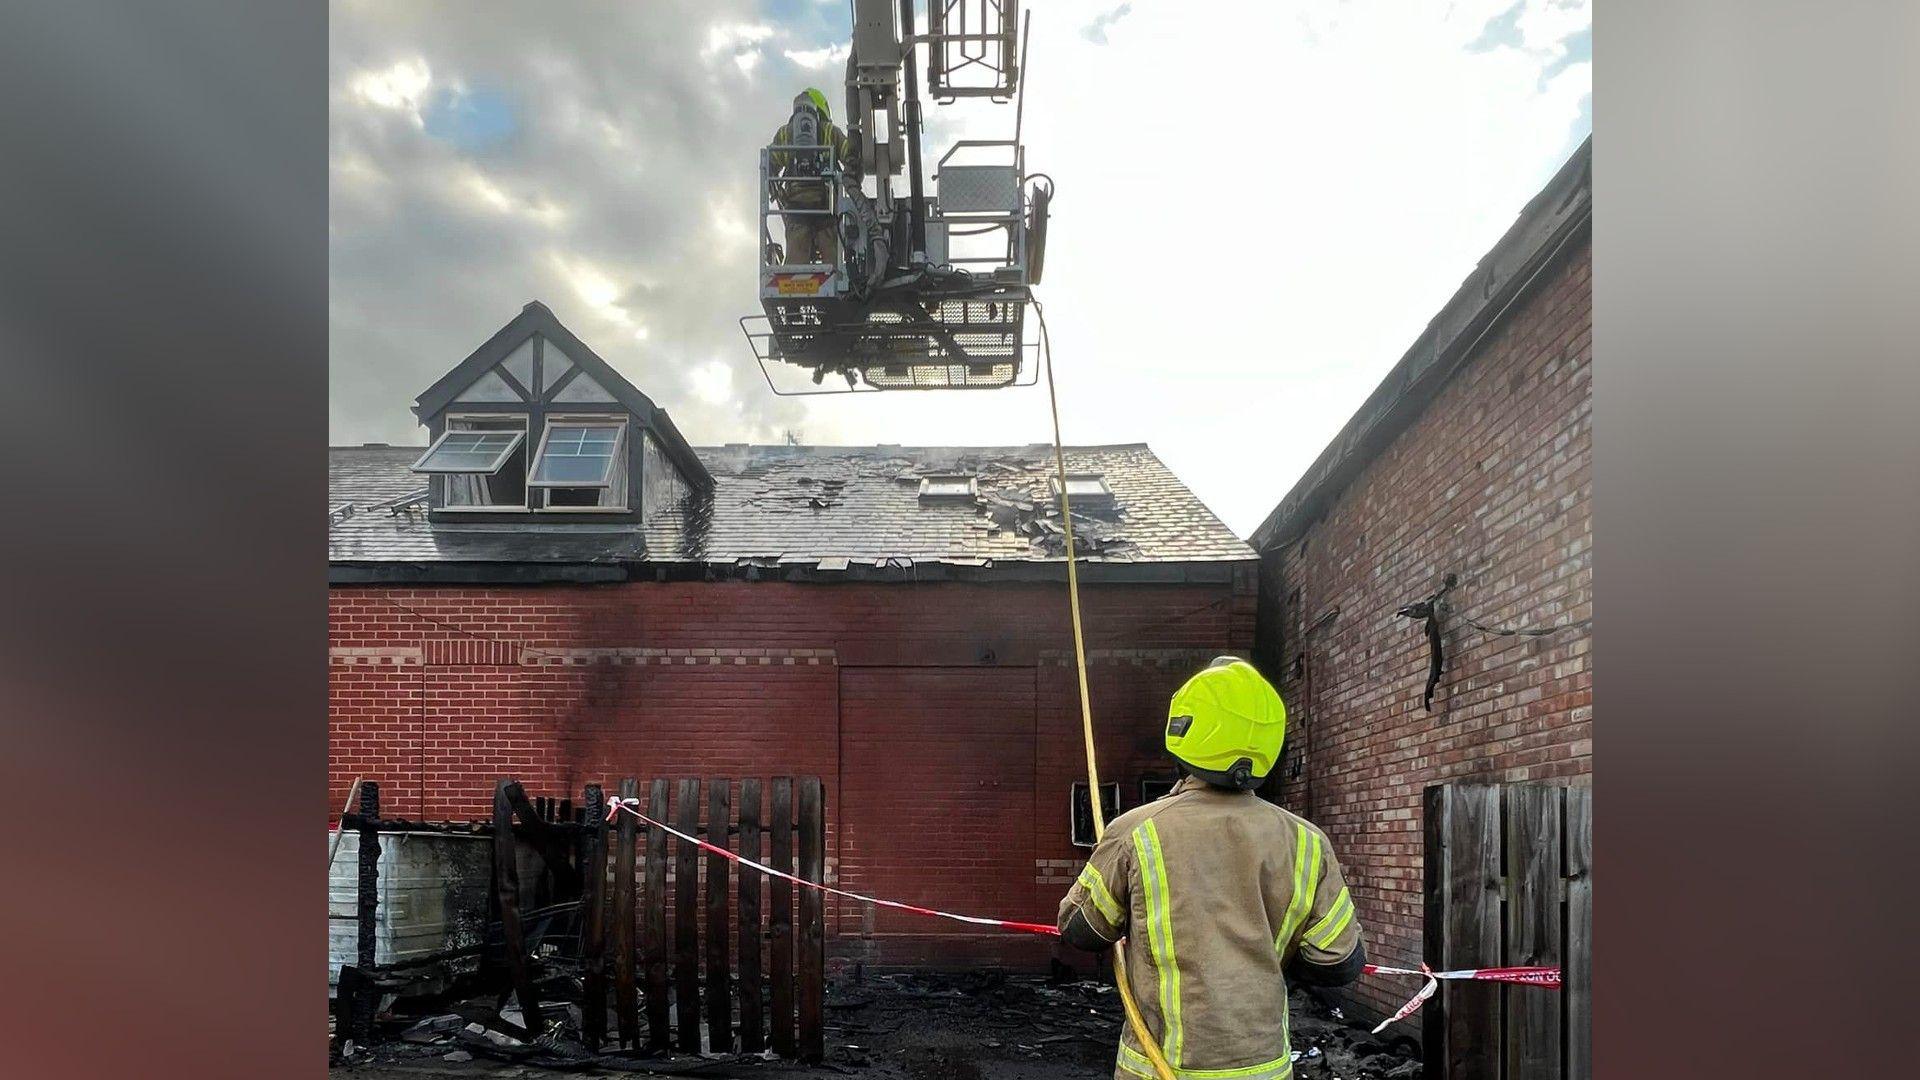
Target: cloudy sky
point(1259, 205)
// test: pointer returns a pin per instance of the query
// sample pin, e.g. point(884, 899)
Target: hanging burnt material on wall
point(1435, 609)
point(1430, 612)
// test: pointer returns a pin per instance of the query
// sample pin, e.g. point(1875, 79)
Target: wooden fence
point(1509, 883)
point(633, 932)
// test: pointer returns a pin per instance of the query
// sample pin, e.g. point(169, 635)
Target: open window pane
point(469, 452)
point(576, 455)
point(505, 489)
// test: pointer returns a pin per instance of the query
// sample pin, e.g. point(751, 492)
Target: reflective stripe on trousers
point(1136, 1063)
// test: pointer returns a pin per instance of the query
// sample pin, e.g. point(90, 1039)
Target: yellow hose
point(1134, 1020)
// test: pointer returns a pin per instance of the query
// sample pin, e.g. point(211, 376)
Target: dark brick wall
point(1492, 483)
point(947, 778)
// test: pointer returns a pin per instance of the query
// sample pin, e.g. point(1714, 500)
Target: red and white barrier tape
point(1530, 976)
point(630, 806)
point(1533, 976)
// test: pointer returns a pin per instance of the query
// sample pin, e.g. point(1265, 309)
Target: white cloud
point(730, 37)
point(712, 382)
point(598, 288)
point(829, 58)
point(739, 42)
point(401, 87)
point(1545, 25)
point(481, 191)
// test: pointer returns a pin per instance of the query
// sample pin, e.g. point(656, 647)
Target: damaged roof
point(820, 512)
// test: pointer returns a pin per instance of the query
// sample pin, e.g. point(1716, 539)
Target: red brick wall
point(879, 689)
point(1492, 483)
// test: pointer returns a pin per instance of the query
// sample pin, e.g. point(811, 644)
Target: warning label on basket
point(799, 284)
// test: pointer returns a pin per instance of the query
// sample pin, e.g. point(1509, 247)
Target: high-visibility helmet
point(818, 100)
point(1226, 724)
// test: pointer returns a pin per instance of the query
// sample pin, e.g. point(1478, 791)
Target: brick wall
point(1492, 483)
point(947, 778)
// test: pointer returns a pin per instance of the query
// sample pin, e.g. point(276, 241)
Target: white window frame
point(525, 505)
point(618, 421)
point(927, 482)
point(499, 461)
point(1105, 492)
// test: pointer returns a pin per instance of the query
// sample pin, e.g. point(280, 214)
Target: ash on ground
point(972, 1026)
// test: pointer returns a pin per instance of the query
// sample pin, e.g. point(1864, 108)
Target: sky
point(1258, 206)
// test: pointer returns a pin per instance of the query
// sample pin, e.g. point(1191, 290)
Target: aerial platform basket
point(898, 343)
point(950, 318)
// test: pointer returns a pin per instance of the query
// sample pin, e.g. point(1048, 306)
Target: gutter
point(897, 571)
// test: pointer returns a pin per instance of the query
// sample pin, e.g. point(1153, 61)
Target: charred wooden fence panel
point(708, 960)
point(601, 902)
point(1508, 884)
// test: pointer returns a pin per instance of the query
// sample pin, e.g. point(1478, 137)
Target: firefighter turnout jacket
point(1216, 892)
point(796, 184)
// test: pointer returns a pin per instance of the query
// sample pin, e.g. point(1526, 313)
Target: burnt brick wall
point(437, 692)
point(1493, 483)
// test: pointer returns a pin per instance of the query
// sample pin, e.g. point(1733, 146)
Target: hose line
point(1134, 1019)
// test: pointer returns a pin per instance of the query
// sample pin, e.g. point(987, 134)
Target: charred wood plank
point(752, 1028)
point(686, 917)
point(364, 996)
point(593, 943)
point(780, 912)
point(812, 958)
point(719, 996)
point(506, 885)
point(625, 993)
point(658, 1036)
point(549, 842)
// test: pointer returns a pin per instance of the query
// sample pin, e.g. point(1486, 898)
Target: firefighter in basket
point(812, 231)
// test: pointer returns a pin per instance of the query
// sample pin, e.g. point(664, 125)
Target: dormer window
point(481, 462)
point(534, 422)
point(581, 464)
point(948, 486)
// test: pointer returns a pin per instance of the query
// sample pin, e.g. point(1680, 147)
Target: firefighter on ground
point(811, 237)
point(1222, 899)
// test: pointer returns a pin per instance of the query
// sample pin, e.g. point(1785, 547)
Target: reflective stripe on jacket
point(1215, 892)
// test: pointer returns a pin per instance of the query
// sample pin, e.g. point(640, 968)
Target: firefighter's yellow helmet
point(1226, 724)
point(812, 96)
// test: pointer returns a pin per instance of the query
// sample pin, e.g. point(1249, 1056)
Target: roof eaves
point(1199, 571)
